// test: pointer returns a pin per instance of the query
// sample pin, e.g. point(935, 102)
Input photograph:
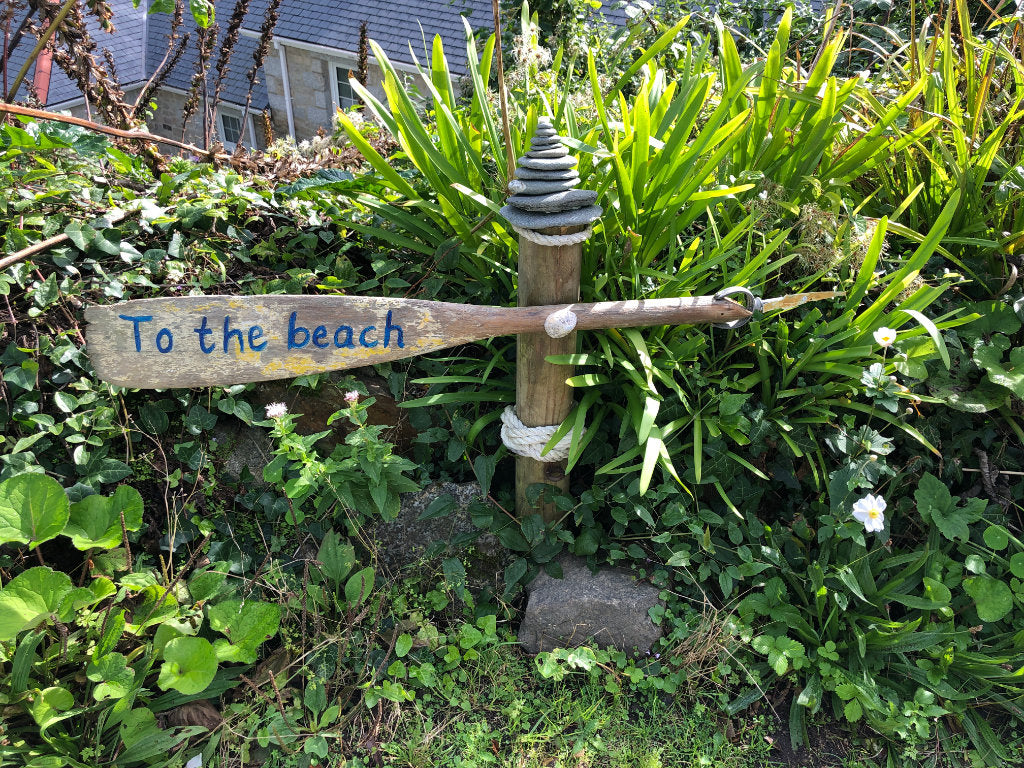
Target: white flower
point(276, 410)
point(869, 512)
point(352, 397)
point(885, 336)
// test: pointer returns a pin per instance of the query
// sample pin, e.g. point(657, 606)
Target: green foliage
point(116, 629)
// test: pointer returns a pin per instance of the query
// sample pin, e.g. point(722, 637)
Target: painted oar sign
point(220, 340)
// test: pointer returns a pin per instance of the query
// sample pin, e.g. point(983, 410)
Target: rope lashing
point(554, 240)
point(530, 441)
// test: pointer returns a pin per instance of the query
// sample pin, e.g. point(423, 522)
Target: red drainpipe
point(41, 80)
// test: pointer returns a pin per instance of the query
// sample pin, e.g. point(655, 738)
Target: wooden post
point(547, 275)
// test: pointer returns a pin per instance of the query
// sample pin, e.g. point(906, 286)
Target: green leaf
point(95, 521)
point(1017, 565)
point(993, 598)
point(202, 12)
point(246, 624)
point(403, 645)
point(359, 587)
point(113, 674)
point(996, 537)
point(48, 703)
point(29, 598)
point(190, 664)
point(1006, 373)
point(937, 506)
point(336, 558)
point(33, 509)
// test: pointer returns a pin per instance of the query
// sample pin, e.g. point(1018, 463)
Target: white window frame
point(336, 83)
point(248, 132)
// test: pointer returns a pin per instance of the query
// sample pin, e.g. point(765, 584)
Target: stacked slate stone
point(544, 188)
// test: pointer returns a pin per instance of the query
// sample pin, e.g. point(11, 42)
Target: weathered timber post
point(553, 220)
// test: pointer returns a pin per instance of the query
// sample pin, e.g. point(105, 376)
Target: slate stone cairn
point(544, 188)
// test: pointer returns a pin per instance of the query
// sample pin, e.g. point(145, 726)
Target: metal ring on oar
point(750, 302)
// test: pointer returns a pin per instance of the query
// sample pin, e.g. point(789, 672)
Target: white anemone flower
point(885, 337)
point(869, 511)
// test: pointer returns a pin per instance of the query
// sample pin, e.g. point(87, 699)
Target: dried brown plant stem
point(40, 45)
point(42, 114)
point(509, 154)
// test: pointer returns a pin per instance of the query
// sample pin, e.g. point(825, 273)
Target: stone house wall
point(314, 90)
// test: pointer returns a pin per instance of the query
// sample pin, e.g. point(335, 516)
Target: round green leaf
point(189, 665)
point(29, 598)
point(996, 537)
point(33, 509)
point(992, 597)
point(95, 521)
point(1017, 565)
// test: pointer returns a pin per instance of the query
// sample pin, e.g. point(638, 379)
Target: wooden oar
point(193, 341)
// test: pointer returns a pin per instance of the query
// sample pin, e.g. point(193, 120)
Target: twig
point(41, 114)
point(50, 242)
point(510, 155)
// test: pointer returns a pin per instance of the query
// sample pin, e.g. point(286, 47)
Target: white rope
point(530, 441)
point(554, 240)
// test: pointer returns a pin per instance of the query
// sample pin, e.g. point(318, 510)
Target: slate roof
point(393, 24)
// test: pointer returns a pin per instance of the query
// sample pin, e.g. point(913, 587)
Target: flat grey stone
point(554, 152)
point(547, 163)
point(558, 201)
point(546, 142)
point(535, 221)
point(545, 129)
point(609, 608)
point(535, 187)
point(530, 173)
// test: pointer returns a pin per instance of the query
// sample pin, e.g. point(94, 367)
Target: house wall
point(168, 120)
point(311, 77)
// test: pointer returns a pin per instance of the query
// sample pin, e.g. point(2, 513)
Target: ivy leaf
point(29, 598)
point(993, 598)
point(189, 665)
point(246, 624)
point(1009, 374)
point(938, 507)
point(113, 674)
point(33, 509)
point(96, 520)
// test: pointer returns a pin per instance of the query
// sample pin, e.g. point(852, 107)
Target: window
point(230, 129)
point(346, 94)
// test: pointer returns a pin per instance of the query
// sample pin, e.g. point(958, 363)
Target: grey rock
point(535, 221)
point(547, 163)
point(558, 201)
point(537, 187)
point(546, 153)
point(545, 129)
point(546, 142)
point(247, 447)
point(609, 608)
point(401, 542)
point(530, 173)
